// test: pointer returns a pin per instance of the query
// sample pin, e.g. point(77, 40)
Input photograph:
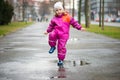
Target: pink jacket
point(61, 24)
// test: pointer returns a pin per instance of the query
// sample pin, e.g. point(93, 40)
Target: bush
point(6, 12)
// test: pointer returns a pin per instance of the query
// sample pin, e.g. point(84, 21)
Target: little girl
point(58, 30)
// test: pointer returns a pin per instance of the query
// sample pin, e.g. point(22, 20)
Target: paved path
point(24, 56)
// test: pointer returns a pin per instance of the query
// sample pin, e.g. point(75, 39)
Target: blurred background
point(41, 10)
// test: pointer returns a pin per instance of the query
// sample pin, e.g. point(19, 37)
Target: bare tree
point(44, 9)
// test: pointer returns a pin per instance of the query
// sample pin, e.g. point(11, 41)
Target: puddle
point(8, 48)
point(5, 49)
point(80, 63)
point(61, 73)
point(74, 62)
point(1, 51)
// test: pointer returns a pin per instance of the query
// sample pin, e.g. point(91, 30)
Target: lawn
point(12, 27)
point(110, 31)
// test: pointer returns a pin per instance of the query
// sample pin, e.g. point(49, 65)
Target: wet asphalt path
point(24, 56)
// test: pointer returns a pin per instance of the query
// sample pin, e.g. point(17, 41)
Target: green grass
point(12, 27)
point(110, 31)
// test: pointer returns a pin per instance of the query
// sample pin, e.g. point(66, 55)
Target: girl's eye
point(60, 9)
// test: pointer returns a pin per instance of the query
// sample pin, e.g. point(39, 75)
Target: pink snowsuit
point(59, 31)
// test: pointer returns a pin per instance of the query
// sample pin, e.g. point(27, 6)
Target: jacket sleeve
point(51, 26)
point(75, 24)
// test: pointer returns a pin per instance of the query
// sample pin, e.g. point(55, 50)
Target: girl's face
point(59, 11)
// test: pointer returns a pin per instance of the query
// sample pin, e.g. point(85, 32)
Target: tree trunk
point(100, 15)
point(79, 11)
point(70, 6)
point(23, 10)
point(73, 10)
point(103, 15)
point(87, 13)
point(64, 4)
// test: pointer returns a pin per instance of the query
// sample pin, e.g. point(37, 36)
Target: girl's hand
point(83, 29)
point(45, 33)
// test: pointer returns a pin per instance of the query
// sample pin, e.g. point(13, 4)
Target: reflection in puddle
point(80, 63)
point(83, 63)
point(75, 62)
point(61, 73)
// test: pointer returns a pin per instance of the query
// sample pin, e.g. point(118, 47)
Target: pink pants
point(61, 40)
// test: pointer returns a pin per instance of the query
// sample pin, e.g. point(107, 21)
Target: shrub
point(6, 12)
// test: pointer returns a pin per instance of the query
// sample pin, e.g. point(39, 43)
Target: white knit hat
point(58, 5)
